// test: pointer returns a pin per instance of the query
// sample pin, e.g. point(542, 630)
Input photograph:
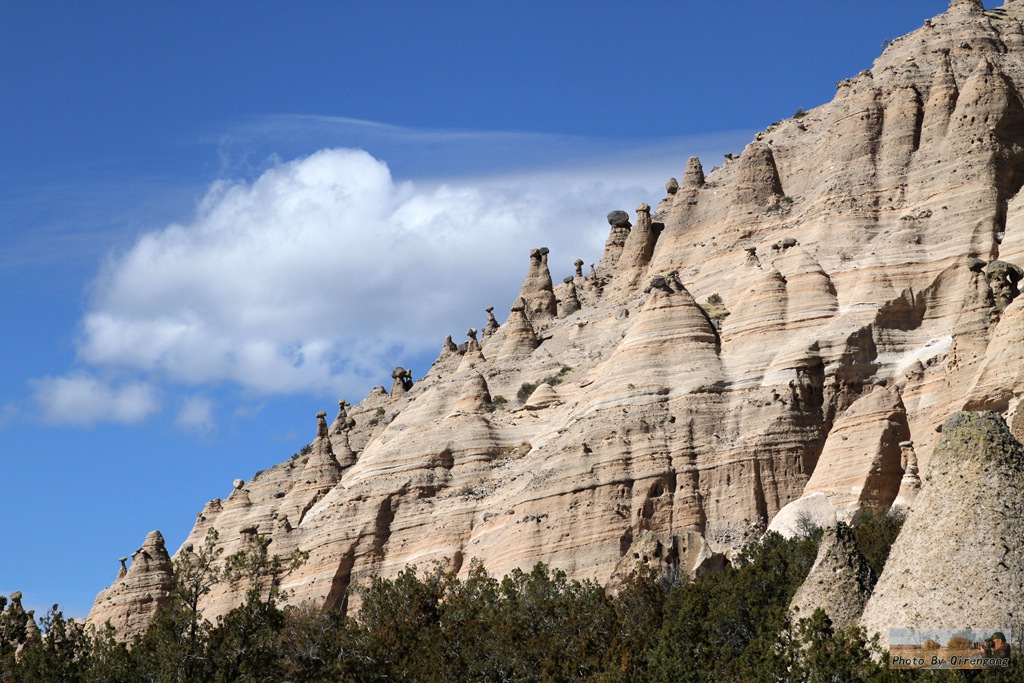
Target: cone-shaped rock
point(521, 338)
point(342, 447)
point(342, 422)
point(803, 514)
point(322, 467)
point(339, 432)
point(130, 603)
point(543, 396)
point(839, 582)
point(492, 323)
point(910, 485)
point(475, 396)
point(473, 353)
point(637, 251)
point(448, 348)
point(693, 176)
point(570, 300)
point(401, 383)
point(757, 181)
point(959, 558)
point(320, 474)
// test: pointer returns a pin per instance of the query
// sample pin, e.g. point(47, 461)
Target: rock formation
point(131, 601)
point(959, 558)
point(861, 464)
point(472, 351)
point(448, 348)
point(537, 290)
point(570, 300)
point(868, 253)
point(20, 629)
point(520, 337)
point(619, 220)
point(492, 323)
point(339, 439)
point(803, 515)
point(910, 484)
point(839, 582)
point(402, 382)
point(693, 176)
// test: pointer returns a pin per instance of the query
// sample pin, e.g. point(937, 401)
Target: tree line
point(432, 625)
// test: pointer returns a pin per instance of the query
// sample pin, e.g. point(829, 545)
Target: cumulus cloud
point(325, 272)
point(84, 400)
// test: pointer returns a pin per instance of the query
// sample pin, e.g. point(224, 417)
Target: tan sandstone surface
point(778, 327)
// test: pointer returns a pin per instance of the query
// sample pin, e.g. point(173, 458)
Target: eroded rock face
point(961, 543)
point(852, 248)
point(130, 603)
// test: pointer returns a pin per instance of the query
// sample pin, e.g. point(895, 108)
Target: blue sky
point(217, 219)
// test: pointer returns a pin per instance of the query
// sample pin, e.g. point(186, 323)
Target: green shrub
point(525, 390)
point(715, 309)
point(874, 532)
point(496, 402)
point(528, 388)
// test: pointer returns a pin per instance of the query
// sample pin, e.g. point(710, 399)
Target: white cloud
point(84, 400)
point(325, 272)
point(196, 414)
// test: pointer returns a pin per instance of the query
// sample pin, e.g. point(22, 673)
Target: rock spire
point(130, 603)
point(537, 289)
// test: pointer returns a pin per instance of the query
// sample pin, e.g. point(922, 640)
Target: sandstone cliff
point(778, 327)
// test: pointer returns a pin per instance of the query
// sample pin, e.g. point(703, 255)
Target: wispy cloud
point(196, 414)
point(445, 154)
point(84, 400)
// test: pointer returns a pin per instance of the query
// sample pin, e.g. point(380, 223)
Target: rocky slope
point(795, 322)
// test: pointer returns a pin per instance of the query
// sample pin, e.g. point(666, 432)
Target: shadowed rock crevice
point(337, 597)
